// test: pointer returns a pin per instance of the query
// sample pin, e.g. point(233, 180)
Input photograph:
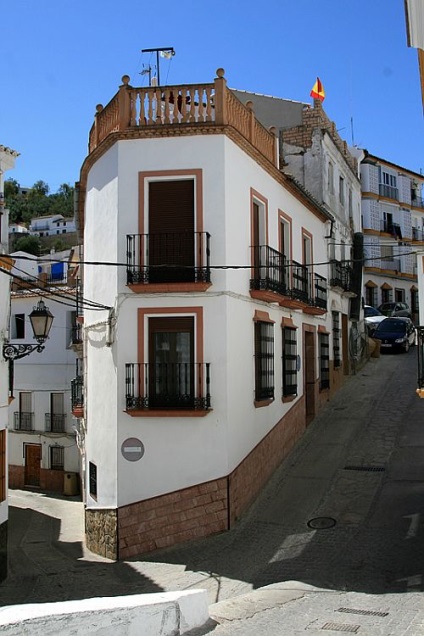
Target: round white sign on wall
point(132, 449)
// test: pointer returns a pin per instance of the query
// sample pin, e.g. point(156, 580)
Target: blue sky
point(62, 57)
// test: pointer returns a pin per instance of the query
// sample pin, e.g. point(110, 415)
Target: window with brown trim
point(171, 231)
point(264, 361)
point(289, 362)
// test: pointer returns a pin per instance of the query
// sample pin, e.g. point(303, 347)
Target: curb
point(264, 598)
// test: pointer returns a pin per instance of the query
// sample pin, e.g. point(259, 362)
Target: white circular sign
point(132, 449)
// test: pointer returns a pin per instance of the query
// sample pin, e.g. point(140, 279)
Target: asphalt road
point(342, 518)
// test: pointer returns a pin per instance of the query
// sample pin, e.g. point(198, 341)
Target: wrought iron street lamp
point(41, 321)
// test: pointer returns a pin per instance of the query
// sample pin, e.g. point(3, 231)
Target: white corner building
point(220, 335)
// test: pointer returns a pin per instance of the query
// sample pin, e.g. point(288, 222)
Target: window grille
point(324, 361)
point(289, 362)
point(57, 457)
point(264, 361)
point(92, 472)
point(336, 339)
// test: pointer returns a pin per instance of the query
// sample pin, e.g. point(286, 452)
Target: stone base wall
point(101, 531)
point(198, 511)
point(180, 516)
point(246, 481)
point(3, 550)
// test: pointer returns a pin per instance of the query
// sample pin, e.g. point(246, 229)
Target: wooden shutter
point(171, 231)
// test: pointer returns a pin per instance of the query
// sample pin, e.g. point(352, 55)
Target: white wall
point(42, 374)
point(182, 451)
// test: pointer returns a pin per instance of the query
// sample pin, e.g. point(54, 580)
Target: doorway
point(32, 464)
point(171, 362)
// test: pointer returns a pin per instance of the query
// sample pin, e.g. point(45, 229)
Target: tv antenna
point(164, 51)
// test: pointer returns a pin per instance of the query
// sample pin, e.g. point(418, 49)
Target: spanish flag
point(318, 91)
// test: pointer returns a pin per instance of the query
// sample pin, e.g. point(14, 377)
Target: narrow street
point(343, 514)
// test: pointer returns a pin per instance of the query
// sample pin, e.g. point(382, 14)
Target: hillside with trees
point(24, 204)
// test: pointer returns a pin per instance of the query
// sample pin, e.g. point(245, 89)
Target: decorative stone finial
point(249, 105)
point(220, 72)
point(273, 130)
point(125, 79)
point(99, 108)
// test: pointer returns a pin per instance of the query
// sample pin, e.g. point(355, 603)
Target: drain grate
point(340, 627)
point(348, 610)
point(368, 469)
point(321, 523)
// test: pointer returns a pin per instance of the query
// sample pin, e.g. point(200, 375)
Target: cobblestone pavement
point(359, 466)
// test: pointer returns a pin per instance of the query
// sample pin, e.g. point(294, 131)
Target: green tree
point(29, 244)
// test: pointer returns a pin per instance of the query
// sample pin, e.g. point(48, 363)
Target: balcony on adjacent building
point(167, 258)
point(417, 201)
point(341, 275)
point(392, 264)
point(276, 279)
point(23, 421)
point(391, 228)
point(162, 387)
point(77, 391)
point(55, 422)
point(388, 191)
point(417, 234)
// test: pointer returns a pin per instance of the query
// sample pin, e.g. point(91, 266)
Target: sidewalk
point(358, 469)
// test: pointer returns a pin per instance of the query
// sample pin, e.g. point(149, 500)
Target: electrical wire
point(48, 293)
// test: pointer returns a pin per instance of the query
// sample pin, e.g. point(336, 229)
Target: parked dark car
point(395, 334)
point(395, 309)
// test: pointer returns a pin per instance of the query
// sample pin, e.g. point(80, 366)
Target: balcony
point(157, 261)
point(181, 107)
point(76, 334)
point(275, 279)
point(55, 422)
point(271, 270)
point(341, 275)
point(388, 191)
point(180, 388)
point(77, 396)
point(391, 228)
point(392, 264)
point(416, 201)
point(417, 234)
point(23, 421)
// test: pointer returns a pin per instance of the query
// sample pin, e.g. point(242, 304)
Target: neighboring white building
point(17, 228)
point(221, 338)
point(43, 449)
point(7, 162)
point(51, 225)
point(393, 222)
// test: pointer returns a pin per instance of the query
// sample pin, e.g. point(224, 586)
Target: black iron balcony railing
point(270, 270)
point(320, 292)
point(388, 191)
point(23, 421)
point(391, 228)
point(76, 334)
point(181, 385)
point(273, 272)
point(417, 202)
point(177, 257)
point(341, 275)
point(55, 422)
point(417, 234)
point(300, 289)
point(77, 392)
